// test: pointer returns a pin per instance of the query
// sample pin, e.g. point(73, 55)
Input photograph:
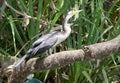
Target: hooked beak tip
point(78, 11)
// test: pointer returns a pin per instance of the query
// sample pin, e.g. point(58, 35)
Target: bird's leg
point(49, 52)
point(96, 63)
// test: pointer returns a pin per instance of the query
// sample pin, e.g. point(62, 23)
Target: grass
point(95, 24)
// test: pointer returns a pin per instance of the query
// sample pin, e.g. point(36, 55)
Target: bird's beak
point(77, 11)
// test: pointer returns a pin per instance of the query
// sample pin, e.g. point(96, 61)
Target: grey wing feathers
point(40, 45)
point(41, 39)
point(45, 45)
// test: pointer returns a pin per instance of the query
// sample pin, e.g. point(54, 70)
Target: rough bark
point(95, 51)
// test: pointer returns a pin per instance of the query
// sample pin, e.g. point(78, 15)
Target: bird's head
point(72, 13)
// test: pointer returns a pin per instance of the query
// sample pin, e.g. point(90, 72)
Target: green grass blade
point(23, 5)
point(87, 76)
point(105, 76)
point(39, 15)
point(13, 32)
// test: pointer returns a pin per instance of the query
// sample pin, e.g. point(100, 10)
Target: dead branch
point(95, 51)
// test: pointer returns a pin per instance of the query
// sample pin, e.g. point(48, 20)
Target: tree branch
point(95, 51)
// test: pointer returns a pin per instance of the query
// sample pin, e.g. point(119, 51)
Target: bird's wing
point(39, 46)
point(45, 45)
point(43, 38)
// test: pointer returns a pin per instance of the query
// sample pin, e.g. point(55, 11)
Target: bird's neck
point(66, 25)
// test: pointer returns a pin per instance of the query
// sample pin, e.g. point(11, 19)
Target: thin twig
point(18, 12)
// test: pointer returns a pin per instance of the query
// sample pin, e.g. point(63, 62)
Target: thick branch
point(95, 51)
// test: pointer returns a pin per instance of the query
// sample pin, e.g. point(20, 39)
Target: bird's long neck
point(65, 25)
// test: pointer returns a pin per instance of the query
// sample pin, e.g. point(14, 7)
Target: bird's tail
point(21, 60)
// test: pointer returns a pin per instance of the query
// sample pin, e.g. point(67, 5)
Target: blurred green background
point(99, 21)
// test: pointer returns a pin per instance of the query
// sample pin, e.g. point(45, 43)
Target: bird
point(49, 40)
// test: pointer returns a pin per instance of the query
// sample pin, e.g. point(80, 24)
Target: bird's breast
point(61, 37)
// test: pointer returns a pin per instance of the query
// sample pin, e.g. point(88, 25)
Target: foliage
point(97, 23)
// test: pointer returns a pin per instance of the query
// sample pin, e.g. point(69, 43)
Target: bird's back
point(43, 43)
